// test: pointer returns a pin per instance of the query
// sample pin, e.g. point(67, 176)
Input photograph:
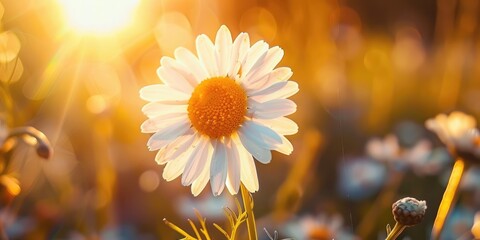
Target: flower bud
point(409, 211)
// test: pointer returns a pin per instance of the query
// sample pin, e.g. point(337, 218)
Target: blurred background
point(370, 74)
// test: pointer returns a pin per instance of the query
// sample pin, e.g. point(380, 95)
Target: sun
point(98, 16)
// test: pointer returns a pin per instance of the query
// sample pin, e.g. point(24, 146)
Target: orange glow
point(98, 16)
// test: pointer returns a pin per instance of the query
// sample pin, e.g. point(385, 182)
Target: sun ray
point(98, 17)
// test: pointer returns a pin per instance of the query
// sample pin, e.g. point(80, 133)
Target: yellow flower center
point(217, 107)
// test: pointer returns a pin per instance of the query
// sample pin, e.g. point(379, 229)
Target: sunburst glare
point(98, 17)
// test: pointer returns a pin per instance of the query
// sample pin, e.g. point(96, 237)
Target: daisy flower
point(387, 150)
point(213, 114)
point(458, 131)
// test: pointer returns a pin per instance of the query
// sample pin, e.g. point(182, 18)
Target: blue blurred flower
point(471, 179)
point(459, 224)
point(361, 178)
point(427, 161)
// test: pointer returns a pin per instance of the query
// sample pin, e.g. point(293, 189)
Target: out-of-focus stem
point(397, 229)
point(248, 205)
point(289, 193)
point(385, 198)
point(449, 197)
point(6, 99)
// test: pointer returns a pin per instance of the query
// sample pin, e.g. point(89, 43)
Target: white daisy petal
point(218, 168)
point(277, 90)
point(289, 90)
point(285, 148)
point(264, 65)
point(223, 45)
point(248, 171)
point(185, 73)
point(252, 68)
point(191, 62)
point(278, 75)
point(154, 109)
point(162, 92)
point(263, 136)
point(173, 169)
point(206, 54)
point(167, 134)
point(256, 52)
point(273, 109)
point(196, 162)
point(174, 79)
point(269, 90)
point(162, 121)
point(261, 154)
point(281, 125)
point(274, 56)
point(199, 184)
point(175, 149)
point(233, 177)
point(239, 50)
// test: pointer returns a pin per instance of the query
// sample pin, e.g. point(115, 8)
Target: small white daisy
point(457, 130)
point(387, 150)
point(213, 112)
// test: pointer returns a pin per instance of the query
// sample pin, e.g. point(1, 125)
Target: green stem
point(248, 205)
point(397, 229)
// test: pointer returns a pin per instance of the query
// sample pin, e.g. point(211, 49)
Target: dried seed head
point(409, 211)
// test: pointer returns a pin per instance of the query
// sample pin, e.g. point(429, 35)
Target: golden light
point(149, 181)
point(98, 16)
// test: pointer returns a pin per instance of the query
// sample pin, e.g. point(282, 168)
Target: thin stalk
point(248, 205)
point(381, 202)
point(397, 229)
point(449, 197)
point(178, 229)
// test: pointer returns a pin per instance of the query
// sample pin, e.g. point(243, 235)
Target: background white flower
point(360, 178)
point(320, 226)
point(456, 130)
point(213, 112)
point(387, 150)
point(476, 226)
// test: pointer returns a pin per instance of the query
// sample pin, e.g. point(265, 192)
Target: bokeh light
point(149, 181)
point(173, 30)
point(98, 16)
point(9, 46)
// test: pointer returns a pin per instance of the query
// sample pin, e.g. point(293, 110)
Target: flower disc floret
point(217, 107)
